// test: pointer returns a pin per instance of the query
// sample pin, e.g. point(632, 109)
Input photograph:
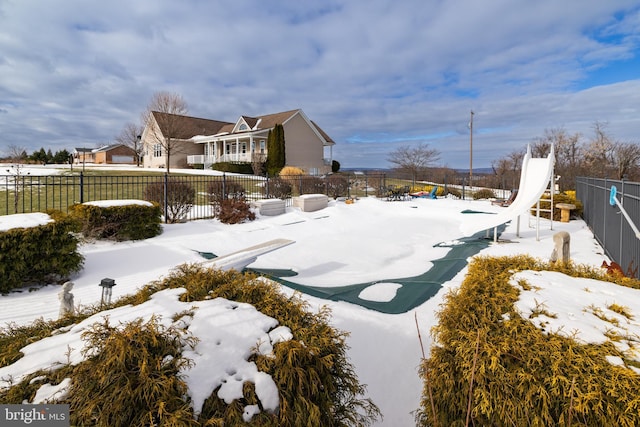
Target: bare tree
point(414, 159)
point(568, 151)
point(16, 154)
point(169, 123)
point(598, 154)
point(130, 136)
point(507, 169)
point(626, 160)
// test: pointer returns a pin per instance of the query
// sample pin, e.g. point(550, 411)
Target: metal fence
point(27, 193)
point(610, 227)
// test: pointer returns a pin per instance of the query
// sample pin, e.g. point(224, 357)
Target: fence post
point(366, 184)
point(166, 203)
point(266, 187)
point(224, 185)
point(621, 218)
point(81, 188)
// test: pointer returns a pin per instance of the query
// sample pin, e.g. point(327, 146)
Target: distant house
point(83, 155)
point(109, 154)
point(114, 154)
point(203, 141)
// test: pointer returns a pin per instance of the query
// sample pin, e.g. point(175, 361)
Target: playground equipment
point(536, 177)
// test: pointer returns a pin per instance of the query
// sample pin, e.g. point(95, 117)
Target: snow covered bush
point(119, 221)
point(173, 367)
point(490, 366)
point(40, 254)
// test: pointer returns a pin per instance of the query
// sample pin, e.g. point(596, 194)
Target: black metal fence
point(608, 223)
point(24, 193)
point(27, 193)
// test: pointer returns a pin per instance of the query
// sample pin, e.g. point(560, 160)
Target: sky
point(376, 75)
point(384, 348)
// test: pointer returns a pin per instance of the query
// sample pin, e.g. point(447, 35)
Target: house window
point(243, 127)
point(262, 146)
point(157, 150)
point(244, 148)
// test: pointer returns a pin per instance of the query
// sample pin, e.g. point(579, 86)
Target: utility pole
point(471, 150)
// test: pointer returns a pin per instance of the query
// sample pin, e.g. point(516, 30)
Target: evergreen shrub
point(233, 167)
point(125, 222)
point(36, 255)
point(132, 373)
point(516, 374)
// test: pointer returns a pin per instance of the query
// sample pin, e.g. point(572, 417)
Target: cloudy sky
point(374, 74)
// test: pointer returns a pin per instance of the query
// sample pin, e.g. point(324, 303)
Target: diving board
point(535, 177)
point(240, 259)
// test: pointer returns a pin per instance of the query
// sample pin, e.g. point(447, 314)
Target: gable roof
point(187, 127)
point(110, 147)
point(323, 133)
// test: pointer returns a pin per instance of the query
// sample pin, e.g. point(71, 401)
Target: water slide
point(534, 180)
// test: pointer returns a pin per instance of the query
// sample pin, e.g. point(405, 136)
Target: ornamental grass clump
point(491, 367)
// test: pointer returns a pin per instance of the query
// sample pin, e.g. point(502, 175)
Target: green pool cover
point(413, 291)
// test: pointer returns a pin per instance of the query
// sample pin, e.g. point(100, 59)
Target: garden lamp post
point(106, 285)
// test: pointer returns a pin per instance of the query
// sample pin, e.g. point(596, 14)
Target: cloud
point(372, 74)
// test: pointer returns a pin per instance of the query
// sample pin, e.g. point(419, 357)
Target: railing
point(610, 228)
point(201, 159)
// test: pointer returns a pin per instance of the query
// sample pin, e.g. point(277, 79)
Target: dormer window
point(243, 127)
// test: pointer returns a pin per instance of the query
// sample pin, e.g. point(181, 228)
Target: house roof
point(109, 148)
point(187, 127)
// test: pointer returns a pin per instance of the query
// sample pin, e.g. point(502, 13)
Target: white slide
point(240, 259)
point(534, 180)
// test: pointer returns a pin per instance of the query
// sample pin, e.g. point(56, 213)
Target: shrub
point(317, 383)
point(453, 191)
point(180, 198)
point(235, 211)
point(293, 176)
point(289, 171)
point(483, 193)
point(558, 198)
point(276, 188)
point(39, 254)
point(132, 377)
point(126, 222)
point(312, 185)
point(337, 186)
point(522, 376)
point(224, 189)
point(234, 167)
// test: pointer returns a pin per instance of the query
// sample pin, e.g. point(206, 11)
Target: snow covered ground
point(370, 240)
